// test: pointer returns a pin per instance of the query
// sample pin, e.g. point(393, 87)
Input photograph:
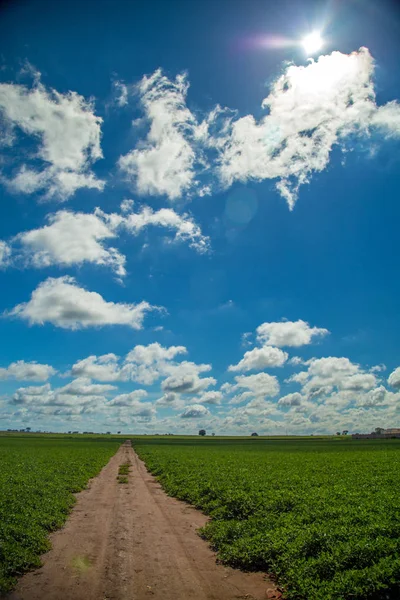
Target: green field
point(322, 515)
point(38, 477)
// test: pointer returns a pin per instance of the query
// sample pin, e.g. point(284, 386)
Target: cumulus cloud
point(67, 133)
point(310, 109)
point(63, 303)
point(394, 378)
point(170, 400)
point(154, 354)
point(5, 254)
point(165, 162)
point(187, 383)
point(29, 394)
point(75, 398)
point(329, 373)
point(291, 400)
point(211, 397)
point(100, 368)
point(133, 402)
point(186, 230)
point(147, 364)
point(27, 371)
point(289, 333)
point(376, 397)
point(82, 386)
point(260, 385)
point(72, 238)
point(260, 358)
point(195, 411)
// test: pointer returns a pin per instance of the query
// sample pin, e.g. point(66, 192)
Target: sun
point(312, 43)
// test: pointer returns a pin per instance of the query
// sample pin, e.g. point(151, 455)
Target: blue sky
point(199, 219)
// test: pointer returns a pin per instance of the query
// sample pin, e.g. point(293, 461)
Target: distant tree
point(202, 432)
point(213, 434)
point(28, 429)
point(338, 433)
point(254, 434)
point(379, 430)
point(118, 432)
point(345, 432)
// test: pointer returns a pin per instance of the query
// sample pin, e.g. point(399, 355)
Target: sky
point(199, 216)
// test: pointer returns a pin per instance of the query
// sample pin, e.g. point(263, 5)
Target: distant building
point(379, 433)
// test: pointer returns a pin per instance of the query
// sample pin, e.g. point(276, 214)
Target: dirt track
point(133, 542)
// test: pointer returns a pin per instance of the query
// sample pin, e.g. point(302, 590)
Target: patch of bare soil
point(130, 541)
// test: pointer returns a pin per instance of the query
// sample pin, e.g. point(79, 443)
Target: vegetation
point(124, 469)
point(38, 478)
point(323, 515)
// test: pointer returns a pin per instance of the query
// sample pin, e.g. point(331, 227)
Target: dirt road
point(133, 542)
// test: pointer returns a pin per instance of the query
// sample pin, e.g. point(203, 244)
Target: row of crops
point(322, 515)
point(38, 478)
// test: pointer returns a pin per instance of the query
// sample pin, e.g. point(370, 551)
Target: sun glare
point(312, 43)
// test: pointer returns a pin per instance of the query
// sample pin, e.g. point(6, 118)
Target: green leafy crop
point(38, 478)
point(322, 515)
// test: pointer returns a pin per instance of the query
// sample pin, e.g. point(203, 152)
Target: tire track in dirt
point(133, 542)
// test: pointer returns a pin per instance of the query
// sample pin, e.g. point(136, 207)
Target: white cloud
point(127, 205)
point(121, 92)
point(72, 238)
point(132, 400)
point(82, 386)
point(294, 399)
point(187, 383)
point(27, 371)
point(186, 230)
point(101, 368)
point(295, 361)
point(310, 109)
point(260, 358)
point(145, 365)
point(195, 411)
point(5, 254)
point(170, 400)
point(29, 394)
point(164, 164)
point(154, 353)
point(288, 333)
point(211, 397)
point(376, 397)
point(326, 374)
point(64, 304)
point(78, 397)
point(378, 368)
point(394, 378)
point(68, 135)
point(259, 385)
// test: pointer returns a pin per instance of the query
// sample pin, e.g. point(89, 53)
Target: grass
point(124, 469)
point(39, 476)
point(122, 479)
point(323, 514)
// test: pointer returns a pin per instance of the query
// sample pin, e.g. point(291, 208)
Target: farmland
point(38, 478)
point(322, 515)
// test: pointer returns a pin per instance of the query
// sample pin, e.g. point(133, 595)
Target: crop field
point(322, 515)
point(38, 477)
